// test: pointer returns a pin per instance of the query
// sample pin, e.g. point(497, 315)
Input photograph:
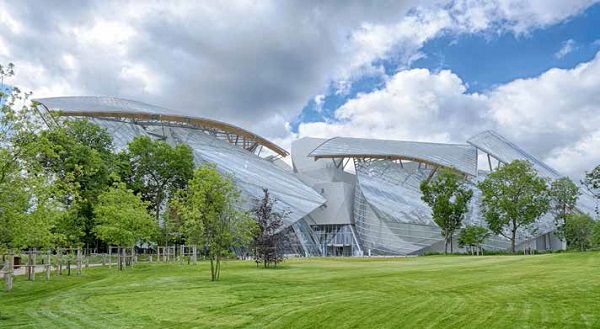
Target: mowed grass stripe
point(552, 291)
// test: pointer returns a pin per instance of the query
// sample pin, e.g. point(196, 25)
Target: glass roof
point(461, 157)
point(146, 114)
point(250, 172)
point(101, 104)
point(503, 150)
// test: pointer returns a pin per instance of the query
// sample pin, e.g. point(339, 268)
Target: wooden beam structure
point(249, 140)
point(386, 157)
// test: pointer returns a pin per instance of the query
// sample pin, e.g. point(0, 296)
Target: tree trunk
point(212, 268)
point(445, 244)
point(218, 268)
point(157, 214)
point(513, 237)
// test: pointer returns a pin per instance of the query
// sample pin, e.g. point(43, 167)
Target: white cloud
point(319, 100)
point(578, 157)
point(8, 20)
point(518, 16)
point(4, 51)
point(567, 47)
point(556, 110)
point(555, 116)
point(139, 78)
point(415, 105)
point(246, 61)
point(256, 64)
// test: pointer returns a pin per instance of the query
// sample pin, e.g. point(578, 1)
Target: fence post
point(29, 265)
point(48, 265)
point(123, 258)
point(33, 262)
point(109, 257)
point(58, 261)
point(78, 260)
point(132, 256)
point(8, 275)
point(181, 254)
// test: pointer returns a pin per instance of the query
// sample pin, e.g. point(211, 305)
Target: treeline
point(65, 185)
point(513, 198)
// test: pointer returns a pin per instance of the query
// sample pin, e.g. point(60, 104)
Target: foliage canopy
point(513, 197)
point(449, 197)
point(122, 218)
point(209, 210)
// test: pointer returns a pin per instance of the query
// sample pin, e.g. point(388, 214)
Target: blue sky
point(6, 89)
point(484, 60)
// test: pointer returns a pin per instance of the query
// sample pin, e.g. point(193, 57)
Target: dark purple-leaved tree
point(267, 238)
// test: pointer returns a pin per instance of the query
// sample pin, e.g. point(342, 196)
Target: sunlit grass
point(556, 290)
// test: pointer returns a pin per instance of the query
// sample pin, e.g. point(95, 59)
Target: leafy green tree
point(27, 207)
point(155, 169)
point(596, 235)
point(211, 217)
point(449, 197)
point(563, 197)
point(28, 213)
point(78, 154)
point(592, 184)
point(122, 217)
point(267, 237)
point(18, 126)
point(578, 231)
point(513, 197)
point(473, 236)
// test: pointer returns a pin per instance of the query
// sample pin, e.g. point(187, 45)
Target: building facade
point(344, 196)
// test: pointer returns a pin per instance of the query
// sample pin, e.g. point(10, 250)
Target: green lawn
point(557, 290)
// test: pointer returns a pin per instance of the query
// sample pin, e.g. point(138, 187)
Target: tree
point(122, 217)
point(78, 155)
point(592, 184)
point(578, 231)
point(563, 197)
point(266, 238)
point(27, 206)
point(28, 213)
point(596, 235)
point(210, 215)
point(473, 236)
point(156, 169)
point(513, 197)
point(448, 197)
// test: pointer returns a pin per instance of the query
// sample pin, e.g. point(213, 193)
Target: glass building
point(345, 196)
point(253, 162)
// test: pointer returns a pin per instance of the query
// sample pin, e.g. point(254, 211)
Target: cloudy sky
point(437, 71)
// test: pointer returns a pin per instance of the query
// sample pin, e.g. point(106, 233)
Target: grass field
point(555, 290)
